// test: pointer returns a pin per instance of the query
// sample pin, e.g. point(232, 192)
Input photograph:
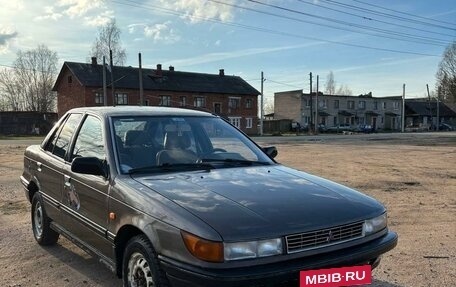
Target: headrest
point(133, 137)
point(176, 140)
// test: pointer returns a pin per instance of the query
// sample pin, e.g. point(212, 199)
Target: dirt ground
point(415, 180)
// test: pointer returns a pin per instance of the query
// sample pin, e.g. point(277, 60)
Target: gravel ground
point(415, 179)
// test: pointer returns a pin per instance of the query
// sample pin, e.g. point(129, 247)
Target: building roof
point(421, 107)
point(91, 75)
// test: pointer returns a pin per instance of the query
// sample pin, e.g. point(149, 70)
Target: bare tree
point(109, 39)
point(268, 107)
point(446, 74)
point(344, 90)
point(28, 85)
point(330, 88)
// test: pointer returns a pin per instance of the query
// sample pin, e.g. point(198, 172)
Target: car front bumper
point(284, 273)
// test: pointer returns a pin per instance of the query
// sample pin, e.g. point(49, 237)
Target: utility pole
point(429, 101)
point(403, 108)
point(261, 104)
point(141, 90)
point(310, 125)
point(438, 108)
point(112, 79)
point(105, 92)
point(316, 107)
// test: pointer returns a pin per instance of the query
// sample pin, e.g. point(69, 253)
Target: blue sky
point(205, 36)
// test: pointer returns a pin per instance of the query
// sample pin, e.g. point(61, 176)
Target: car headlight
point(375, 224)
point(252, 249)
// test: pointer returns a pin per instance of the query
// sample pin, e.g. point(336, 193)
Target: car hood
point(261, 202)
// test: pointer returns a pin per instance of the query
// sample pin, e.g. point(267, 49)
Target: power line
point(387, 15)
point(385, 31)
point(405, 13)
point(264, 30)
point(372, 19)
point(281, 83)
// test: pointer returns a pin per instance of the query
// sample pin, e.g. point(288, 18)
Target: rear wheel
point(42, 231)
point(140, 265)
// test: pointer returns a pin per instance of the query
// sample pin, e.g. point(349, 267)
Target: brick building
point(382, 113)
point(81, 85)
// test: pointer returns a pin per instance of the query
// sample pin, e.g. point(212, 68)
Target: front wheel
point(140, 265)
point(42, 231)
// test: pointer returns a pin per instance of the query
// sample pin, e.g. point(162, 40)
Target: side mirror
point(271, 151)
point(88, 165)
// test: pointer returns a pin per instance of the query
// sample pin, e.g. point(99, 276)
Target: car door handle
point(67, 181)
point(38, 166)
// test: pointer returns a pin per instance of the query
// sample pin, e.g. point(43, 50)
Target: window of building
point(183, 101)
point(351, 105)
point(375, 105)
point(199, 102)
point(235, 121)
point(234, 103)
point(335, 121)
point(70, 79)
point(381, 120)
point(249, 103)
point(384, 105)
point(249, 123)
point(121, 99)
point(307, 120)
point(218, 108)
point(336, 104)
point(165, 101)
point(323, 104)
point(396, 105)
point(99, 99)
point(146, 102)
point(307, 102)
point(362, 105)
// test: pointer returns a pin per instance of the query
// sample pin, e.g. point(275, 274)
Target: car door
point(84, 199)
point(50, 165)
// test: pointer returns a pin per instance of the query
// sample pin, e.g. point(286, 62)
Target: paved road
point(327, 138)
point(404, 137)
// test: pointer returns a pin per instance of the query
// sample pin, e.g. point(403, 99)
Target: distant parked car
point(322, 128)
point(367, 129)
point(446, 127)
point(340, 128)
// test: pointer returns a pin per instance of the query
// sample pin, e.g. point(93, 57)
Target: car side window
point(89, 142)
point(59, 145)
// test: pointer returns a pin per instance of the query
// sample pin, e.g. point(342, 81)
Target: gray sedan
point(174, 197)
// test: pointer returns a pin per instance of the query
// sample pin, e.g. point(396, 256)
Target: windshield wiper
point(172, 167)
point(232, 161)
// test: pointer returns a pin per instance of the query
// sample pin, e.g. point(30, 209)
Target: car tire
point(42, 231)
point(140, 267)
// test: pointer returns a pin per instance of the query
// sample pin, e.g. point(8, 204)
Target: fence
point(26, 123)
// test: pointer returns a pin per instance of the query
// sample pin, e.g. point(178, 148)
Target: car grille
point(324, 237)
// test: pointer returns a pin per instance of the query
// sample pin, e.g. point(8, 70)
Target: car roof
point(113, 111)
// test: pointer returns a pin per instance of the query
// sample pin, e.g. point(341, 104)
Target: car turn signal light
point(203, 249)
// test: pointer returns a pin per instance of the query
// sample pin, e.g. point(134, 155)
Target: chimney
point(221, 72)
point(158, 71)
point(94, 61)
point(171, 68)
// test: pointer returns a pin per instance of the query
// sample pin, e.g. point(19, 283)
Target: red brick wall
point(74, 95)
point(69, 95)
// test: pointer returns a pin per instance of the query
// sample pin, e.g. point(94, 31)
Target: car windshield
point(176, 143)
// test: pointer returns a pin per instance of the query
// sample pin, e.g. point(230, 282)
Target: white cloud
point(7, 34)
point(197, 10)
point(220, 56)
point(161, 32)
point(78, 8)
point(50, 14)
point(99, 20)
